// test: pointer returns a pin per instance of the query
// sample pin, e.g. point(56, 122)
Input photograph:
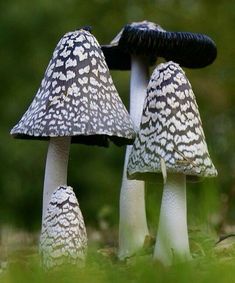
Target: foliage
point(209, 264)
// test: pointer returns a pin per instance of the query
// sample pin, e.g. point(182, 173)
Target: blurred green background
point(29, 32)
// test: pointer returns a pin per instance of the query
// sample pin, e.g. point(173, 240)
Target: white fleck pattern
point(171, 129)
point(63, 238)
point(76, 78)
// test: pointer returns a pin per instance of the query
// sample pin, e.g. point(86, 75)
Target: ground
point(212, 262)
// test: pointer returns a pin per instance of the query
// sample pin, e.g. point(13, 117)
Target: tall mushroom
point(137, 47)
point(63, 239)
point(171, 140)
point(78, 102)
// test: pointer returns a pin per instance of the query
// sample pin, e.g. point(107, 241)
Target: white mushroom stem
point(56, 168)
point(172, 242)
point(132, 222)
point(138, 88)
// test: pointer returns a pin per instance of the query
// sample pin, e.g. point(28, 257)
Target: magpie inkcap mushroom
point(171, 129)
point(77, 97)
point(170, 141)
point(77, 102)
point(63, 237)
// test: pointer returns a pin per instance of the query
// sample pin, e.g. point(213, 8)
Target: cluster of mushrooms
point(77, 102)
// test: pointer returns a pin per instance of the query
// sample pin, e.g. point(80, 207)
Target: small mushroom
point(77, 102)
point(137, 47)
point(63, 238)
point(171, 141)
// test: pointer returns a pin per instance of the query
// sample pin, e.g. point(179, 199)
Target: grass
point(210, 263)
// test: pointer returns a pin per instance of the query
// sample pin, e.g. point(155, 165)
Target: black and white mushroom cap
point(63, 238)
point(77, 97)
point(192, 50)
point(171, 129)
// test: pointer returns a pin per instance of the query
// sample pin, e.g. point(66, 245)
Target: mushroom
point(171, 140)
point(137, 47)
point(77, 102)
point(63, 238)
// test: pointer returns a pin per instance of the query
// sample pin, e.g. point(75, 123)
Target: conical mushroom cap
point(63, 237)
point(192, 50)
point(77, 97)
point(171, 129)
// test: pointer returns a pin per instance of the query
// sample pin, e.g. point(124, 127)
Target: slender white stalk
point(132, 222)
point(172, 238)
point(138, 88)
point(56, 167)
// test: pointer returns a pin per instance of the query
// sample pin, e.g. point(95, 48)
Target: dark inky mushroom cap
point(77, 97)
point(192, 50)
point(63, 238)
point(170, 130)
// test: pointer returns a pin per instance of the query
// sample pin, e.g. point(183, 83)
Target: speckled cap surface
point(192, 50)
point(63, 238)
point(171, 129)
point(77, 97)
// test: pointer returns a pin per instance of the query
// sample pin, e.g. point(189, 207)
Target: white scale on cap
point(63, 237)
point(77, 95)
point(171, 128)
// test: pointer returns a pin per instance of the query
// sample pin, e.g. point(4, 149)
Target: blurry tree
point(29, 32)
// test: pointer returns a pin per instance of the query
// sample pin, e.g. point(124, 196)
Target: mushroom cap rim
point(164, 44)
